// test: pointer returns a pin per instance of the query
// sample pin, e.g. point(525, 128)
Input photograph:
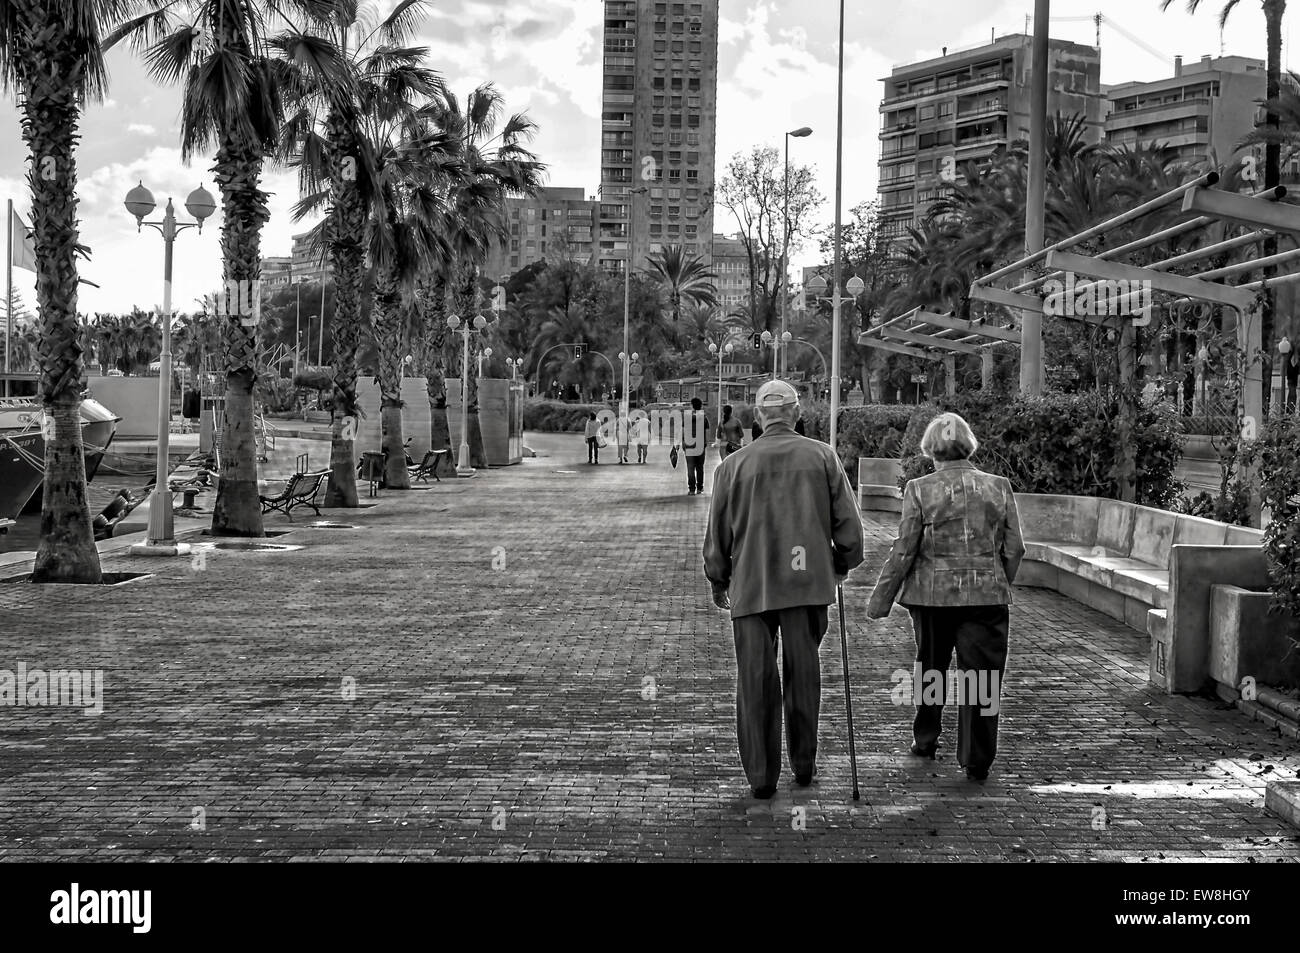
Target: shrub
point(1058, 443)
point(873, 430)
point(1278, 453)
point(277, 395)
point(555, 416)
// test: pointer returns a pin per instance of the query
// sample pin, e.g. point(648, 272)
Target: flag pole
point(9, 286)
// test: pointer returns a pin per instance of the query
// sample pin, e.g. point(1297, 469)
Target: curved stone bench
point(1149, 568)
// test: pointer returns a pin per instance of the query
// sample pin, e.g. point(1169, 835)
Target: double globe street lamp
point(160, 540)
point(722, 352)
point(465, 329)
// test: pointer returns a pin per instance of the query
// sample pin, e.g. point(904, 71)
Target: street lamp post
point(160, 540)
point(726, 349)
point(624, 403)
point(627, 288)
point(464, 330)
point(854, 288)
point(776, 342)
point(514, 363)
point(784, 278)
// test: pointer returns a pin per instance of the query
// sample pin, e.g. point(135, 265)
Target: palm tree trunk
point(347, 243)
point(237, 510)
point(1273, 10)
point(386, 319)
point(435, 367)
point(66, 551)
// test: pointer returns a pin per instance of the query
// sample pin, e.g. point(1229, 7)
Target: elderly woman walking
point(952, 565)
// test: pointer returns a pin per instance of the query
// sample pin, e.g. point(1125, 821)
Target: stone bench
point(878, 484)
point(1151, 569)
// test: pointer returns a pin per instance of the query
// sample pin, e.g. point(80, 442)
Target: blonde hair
point(949, 437)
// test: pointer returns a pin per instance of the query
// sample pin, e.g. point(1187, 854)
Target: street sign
point(919, 378)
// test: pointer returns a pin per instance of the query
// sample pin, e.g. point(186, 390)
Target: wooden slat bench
point(300, 489)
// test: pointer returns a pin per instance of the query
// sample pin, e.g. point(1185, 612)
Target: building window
point(656, 211)
point(692, 175)
point(945, 110)
point(657, 102)
point(657, 82)
point(675, 156)
point(693, 84)
point(692, 139)
point(656, 193)
point(657, 138)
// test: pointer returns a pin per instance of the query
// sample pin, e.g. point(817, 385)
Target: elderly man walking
point(783, 532)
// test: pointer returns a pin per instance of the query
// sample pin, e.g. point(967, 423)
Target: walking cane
point(848, 698)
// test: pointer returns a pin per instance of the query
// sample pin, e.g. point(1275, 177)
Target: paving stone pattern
point(527, 665)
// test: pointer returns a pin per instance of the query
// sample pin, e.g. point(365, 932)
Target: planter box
point(1247, 642)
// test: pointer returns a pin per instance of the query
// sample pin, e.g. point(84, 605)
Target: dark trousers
point(979, 634)
point(761, 693)
point(695, 472)
point(593, 450)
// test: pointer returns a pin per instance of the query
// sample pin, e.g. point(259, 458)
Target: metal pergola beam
point(1011, 299)
point(1244, 209)
point(1158, 280)
point(926, 340)
point(866, 340)
point(953, 323)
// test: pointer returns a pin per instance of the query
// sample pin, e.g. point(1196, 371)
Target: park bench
point(878, 484)
point(428, 467)
point(118, 509)
point(300, 489)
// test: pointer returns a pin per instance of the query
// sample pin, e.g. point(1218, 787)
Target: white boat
point(22, 449)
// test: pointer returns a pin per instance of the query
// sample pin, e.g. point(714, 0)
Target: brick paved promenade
point(576, 703)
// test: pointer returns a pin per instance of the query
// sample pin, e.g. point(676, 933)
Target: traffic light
point(578, 350)
point(756, 339)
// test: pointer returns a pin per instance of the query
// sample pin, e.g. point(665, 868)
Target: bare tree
point(753, 189)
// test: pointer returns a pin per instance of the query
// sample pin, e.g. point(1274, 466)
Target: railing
point(946, 88)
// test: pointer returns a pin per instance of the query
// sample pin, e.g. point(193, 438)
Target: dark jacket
point(958, 542)
point(783, 524)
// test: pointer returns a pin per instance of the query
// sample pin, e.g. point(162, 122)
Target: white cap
point(776, 394)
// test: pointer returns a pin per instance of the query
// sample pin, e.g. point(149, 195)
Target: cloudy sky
point(777, 62)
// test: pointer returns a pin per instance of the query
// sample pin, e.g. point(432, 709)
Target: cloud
point(141, 129)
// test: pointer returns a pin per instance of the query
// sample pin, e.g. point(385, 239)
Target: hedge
point(1278, 453)
point(873, 430)
point(555, 416)
point(1058, 443)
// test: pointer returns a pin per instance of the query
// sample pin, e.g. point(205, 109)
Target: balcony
point(1158, 113)
point(998, 80)
point(982, 111)
point(981, 142)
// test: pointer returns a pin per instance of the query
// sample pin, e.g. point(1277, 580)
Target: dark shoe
point(803, 780)
point(977, 774)
point(920, 752)
point(764, 794)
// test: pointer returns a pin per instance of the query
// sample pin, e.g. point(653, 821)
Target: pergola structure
point(1120, 294)
point(930, 336)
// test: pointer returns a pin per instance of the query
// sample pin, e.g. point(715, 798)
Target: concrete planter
point(1246, 641)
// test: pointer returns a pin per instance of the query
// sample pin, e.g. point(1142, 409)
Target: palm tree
point(685, 277)
point(221, 52)
point(495, 164)
point(51, 57)
point(372, 78)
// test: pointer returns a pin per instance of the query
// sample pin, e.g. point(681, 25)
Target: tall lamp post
point(855, 287)
point(160, 540)
point(726, 349)
point(800, 133)
point(514, 363)
point(465, 329)
point(624, 403)
point(776, 342)
point(627, 289)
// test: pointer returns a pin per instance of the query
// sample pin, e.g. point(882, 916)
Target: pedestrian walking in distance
point(731, 435)
point(641, 434)
point(624, 437)
point(592, 432)
point(783, 532)
point(695, 440)
point(952, 565)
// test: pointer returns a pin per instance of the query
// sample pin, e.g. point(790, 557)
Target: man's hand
point(720, 597)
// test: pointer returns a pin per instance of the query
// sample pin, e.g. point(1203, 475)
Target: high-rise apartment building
point(556, 221)
point(938, 113)
point(658, 112)
point(1203, 110)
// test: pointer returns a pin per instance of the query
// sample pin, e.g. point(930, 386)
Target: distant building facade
point(731, 265)
point(556, 221)
point(938, 113)
point(1202, 111)
point(658, 129)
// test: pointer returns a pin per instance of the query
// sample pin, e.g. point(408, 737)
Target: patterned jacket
point(783, 524)
point(958, 543)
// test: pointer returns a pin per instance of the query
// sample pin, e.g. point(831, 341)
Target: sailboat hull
point(22, 457)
